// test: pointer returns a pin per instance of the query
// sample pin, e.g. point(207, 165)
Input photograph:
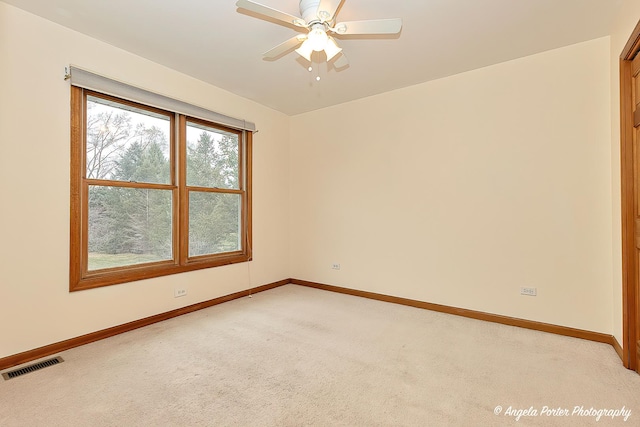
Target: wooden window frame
point(80, 278)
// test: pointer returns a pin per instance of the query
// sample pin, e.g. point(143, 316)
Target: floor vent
point(31, 368)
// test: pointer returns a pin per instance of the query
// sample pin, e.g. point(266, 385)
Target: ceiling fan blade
point(271, 12)
point(327, 9)
point(375, 26)
point(284, 47)
point(341, 61)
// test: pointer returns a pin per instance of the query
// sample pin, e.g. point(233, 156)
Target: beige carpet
point(295, 356)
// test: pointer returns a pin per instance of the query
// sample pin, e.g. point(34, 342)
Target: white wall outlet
point(532, 292)
point(179, 292)
point(335, 266)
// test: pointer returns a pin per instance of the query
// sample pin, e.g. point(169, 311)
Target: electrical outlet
point(179, 292)
point(532, 292)
point(335, 266)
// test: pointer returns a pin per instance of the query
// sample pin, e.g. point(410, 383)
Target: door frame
point(630, 230)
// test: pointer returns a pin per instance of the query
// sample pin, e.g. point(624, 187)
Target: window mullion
point(247, 168)
point(128, 184)
point(175, 180)
point(214, 190)
point(183, 226)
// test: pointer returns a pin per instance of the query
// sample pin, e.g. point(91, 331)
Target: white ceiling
point(215, 42)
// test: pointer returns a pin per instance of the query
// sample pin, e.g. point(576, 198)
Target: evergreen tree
point(139, 220)
point(128, 220)
point(213, 217)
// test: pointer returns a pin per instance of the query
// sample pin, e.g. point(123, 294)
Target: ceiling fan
point(318, 17)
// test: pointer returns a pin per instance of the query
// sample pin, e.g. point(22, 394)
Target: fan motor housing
point(309, 9)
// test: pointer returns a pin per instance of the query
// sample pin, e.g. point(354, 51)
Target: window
point(153, 192)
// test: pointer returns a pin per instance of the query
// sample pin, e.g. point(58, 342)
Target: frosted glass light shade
point(317, 41)
point(318, 38)
point(331, 49)
point(305, 50)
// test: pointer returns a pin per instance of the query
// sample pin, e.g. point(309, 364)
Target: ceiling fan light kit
point(318, 17)
point(317, 38)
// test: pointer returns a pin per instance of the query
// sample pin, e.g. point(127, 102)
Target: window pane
point(212, 157)
point(126, 143)
point(214, 223)
point(128, 226)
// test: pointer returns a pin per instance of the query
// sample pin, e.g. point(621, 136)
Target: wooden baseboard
point(28, 356)
point(496, 318)
point(48, 350)
point(617, 347)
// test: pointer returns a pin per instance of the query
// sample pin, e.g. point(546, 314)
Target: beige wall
point(460, 191)
point(35, 306)
point(456, 191)
point(622, 28)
